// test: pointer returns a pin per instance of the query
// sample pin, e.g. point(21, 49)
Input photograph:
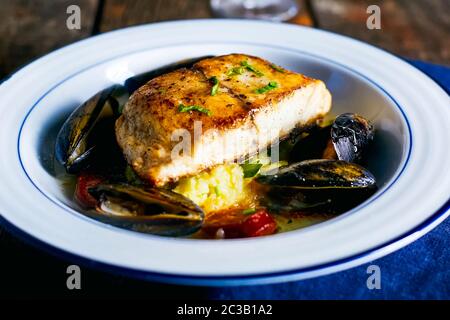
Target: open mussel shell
point(351, 135)
point(146, 209)
point(312, 145)
point(329, 201)
point(90, 126)
point(320, 173)
point(330, 186)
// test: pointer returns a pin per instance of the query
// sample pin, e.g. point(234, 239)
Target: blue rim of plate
point(409, 236)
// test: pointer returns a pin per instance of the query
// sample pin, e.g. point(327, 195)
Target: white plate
point(410, 111)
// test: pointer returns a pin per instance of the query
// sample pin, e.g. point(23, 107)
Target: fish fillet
point(222, 109)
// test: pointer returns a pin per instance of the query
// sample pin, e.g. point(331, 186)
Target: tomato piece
point(235, 224)
point(259, 224)
point(228, 220)
point(84, 182)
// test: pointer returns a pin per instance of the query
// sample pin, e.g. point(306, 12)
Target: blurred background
point(414, 29)
point(418, 29)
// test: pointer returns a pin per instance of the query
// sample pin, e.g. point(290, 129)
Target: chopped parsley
point(250, 169)
point(250, 68)
point(215, 87)
point(235, 71)
point(244, 66)
point(277, 68)
point(249, 211)
point(183, 108)
point(272, 85)
point(132, 177)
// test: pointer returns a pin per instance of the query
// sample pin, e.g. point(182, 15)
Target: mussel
point(87, 137)
point(321, 173)
point(311, 145)
point(322, 185)
point(351, 135)
point(347, 139)
point(89, 131)
point(146, 209)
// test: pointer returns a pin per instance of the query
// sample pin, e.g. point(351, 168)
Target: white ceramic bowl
point(410, 155)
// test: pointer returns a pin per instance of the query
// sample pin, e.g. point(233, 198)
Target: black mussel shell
point(82, 133)
point(312, 145)
point(320, 173)
point(146, 209)
point(331, 200)
point(351, 135)
point(321, 186)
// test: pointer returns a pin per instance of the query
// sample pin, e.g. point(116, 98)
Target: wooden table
point(415, 29)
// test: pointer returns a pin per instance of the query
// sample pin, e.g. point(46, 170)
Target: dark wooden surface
point(417, 29)
point(412, 28)
point(29, 29)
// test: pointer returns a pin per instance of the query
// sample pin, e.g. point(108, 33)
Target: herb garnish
point(215, 87)
point(244, 66)
point(272, 85)
point(235, 71)
point(249, 67)
point(132, 177)
point(277, 68)
point(250, 169)
point(249, 211)
point(183, 108)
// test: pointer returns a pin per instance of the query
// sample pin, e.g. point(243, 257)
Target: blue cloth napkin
point(419, 271)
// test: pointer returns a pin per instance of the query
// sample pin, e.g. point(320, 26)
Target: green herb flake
point(272, 167)
point(235, 71)
point(277, 68)
point(250, 169)
point(217, 191)
point(249, 67)
point(132, 177)
point(215, 87)
point(249, 211)
point(272, 85)
point(183, 108)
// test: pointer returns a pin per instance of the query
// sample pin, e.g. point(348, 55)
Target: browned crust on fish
point(152, 114)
